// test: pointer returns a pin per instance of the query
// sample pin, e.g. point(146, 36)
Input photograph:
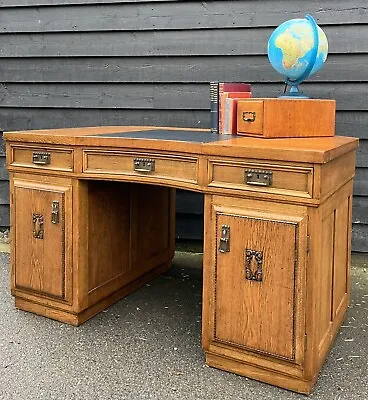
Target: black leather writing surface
point(167, 134)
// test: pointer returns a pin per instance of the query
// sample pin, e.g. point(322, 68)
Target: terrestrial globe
point(297, 49)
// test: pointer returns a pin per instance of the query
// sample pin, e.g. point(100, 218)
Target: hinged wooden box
point(278, 118)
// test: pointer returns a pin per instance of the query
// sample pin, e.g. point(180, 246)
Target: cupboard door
point(41, 264)
point(258, 289)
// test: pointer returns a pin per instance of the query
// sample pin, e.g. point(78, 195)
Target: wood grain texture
point(293, 180)
point(60, 159)
point(313, 150)
point(238, 355)
point(185, 69)
point(51, 281)
point(166, 167)
point(272, 118)
point(126, 15)
point(327, 282)
point(108, 230)
point(42, 262)
point(264, 310)
point(161, 43)
point(27, 3)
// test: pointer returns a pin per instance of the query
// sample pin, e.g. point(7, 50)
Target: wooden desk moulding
point(276, 248)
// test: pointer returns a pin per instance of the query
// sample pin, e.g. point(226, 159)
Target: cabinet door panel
point(256, 290)
point(40, 252)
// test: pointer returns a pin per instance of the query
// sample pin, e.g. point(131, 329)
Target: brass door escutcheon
point(253, 274)
point(38, 231)
point(224, 246)
point(55, 212)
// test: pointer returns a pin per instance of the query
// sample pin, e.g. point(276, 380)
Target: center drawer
point(142, 166)
point(282, 179)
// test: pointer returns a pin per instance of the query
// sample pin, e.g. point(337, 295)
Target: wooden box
point(282, 118)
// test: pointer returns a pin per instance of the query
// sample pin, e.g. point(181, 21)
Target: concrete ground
point(148, 346)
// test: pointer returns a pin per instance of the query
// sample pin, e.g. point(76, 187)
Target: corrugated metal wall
point(89, 62)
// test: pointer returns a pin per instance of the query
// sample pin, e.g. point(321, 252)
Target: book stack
point(224, 99)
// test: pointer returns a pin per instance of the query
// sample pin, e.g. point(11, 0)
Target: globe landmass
point(290, 47)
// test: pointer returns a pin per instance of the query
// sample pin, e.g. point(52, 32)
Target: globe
point(297, 49)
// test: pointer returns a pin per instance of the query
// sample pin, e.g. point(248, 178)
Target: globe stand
point(293, 92)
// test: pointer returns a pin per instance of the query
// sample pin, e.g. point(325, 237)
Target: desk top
point(191, 140)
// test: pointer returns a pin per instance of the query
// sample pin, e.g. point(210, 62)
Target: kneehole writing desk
point(92, 219)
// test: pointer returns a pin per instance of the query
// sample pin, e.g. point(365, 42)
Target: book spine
point(214, 96)
point(221, 113)
point(220, 106)
point(227, 117)
point(234, 117)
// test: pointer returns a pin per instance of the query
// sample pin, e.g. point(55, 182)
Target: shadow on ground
point(148, 346)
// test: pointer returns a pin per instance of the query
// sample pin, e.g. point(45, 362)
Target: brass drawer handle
point(144, 165)
point(258, 177)
point(249, 116)
point(41, 157)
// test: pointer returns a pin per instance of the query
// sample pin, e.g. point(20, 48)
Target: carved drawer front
point(42, 157)
point(293, 180)
point(143, 166)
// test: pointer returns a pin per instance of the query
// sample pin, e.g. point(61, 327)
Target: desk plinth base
point(79, 318)
point(260, 374)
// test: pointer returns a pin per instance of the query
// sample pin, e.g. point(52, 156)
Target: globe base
point(293, 93)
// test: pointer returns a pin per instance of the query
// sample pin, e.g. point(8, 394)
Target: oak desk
point(92, 219)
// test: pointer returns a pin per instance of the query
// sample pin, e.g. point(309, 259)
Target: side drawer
point(282, 179)
point(37, 157)
point(149, 166)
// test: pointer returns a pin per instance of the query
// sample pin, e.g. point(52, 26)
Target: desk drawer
point(51, 158)
point(146, 166)
point(292, 180)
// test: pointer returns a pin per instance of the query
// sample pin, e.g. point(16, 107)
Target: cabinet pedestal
point(276, 286)
point(124, 237)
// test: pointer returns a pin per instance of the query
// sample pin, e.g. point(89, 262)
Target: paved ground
point(148, 346)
